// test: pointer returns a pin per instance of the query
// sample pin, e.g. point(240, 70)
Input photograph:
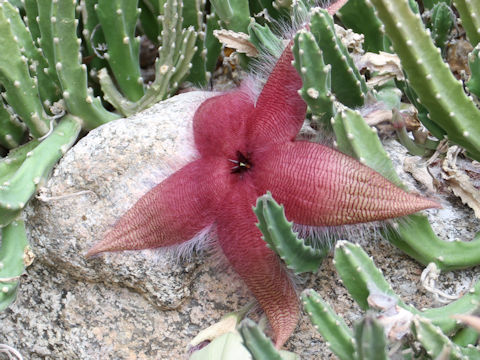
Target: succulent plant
point(61, 73)
point(47, 99)
point(388, 316)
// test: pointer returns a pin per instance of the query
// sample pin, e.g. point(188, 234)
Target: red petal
point(279, 111)
point(172, 212)
point(259, 266)
point(320, 186)
point(219, 123)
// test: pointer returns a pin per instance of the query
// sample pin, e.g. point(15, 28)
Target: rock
point(148, 304)
point(101, 178)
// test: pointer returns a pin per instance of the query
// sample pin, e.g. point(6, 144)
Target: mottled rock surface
point(148, 304)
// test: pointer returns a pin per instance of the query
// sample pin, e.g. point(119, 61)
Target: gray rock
point(101, 178)
point(148, 304)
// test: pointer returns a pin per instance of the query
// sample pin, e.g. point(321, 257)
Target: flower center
point(242, 163)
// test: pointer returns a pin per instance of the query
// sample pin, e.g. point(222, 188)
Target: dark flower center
point(242, 163)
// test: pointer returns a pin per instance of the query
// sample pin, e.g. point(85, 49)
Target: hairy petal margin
point(320, 186)
point(259, 267)
point(172, 212)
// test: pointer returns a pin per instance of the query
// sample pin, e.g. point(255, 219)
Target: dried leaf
point(462, 185)
point(386, 65)
point(416, 166)
point(350, 39)
point(457, 56)
point(236, 40)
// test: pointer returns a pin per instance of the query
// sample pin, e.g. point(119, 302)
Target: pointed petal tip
point(419, 202)
point(98, 248)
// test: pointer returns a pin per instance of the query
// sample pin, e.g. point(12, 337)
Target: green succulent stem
point(21, 89)
point(316, 78)
point(14, 245)
point(123, 47)
point(430, 77)
point(370, 339)
point(331, 326)
point(359, 16)
point(416, 238)
point(79, 100)
point(356, 138)
point(33, 166)
point(348, 85)
point(359, 275)
point(466, 336)
point(473, 83)
point(469, 11)
point(434, 341)
point(235, 14)
point(257, 343)
point(12, 131)
point(277, 233)
point(171, 67)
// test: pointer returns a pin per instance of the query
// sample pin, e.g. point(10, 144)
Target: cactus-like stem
point(21, 89)
point(316, 77)
point(14, 245)
point(45, 39)
point(234, 14)
point(71, 73)
point(430, 77)
point(47, 84)
point(473, 83)
point(442, 316)
point(12, 131)
point(149, 18)
point(443, 19)
point(359, 16)
point(403, 137)
point(264, 39)
point(212, 45)
point(331, 326)
point(357, 139)
point(348, 85)
point(370, 339)
point(416, 238)
point(359, 274)
point(93, 38)
point(193, 16)
point(123, 47)
point(171, 67)
point(21, 184)
point(277, 233)
point(31, 10)
point(422, 112)
point(429, 4)
point(434, 341)
point(257, 343)
point(466, 336)
point(469, 11)
point(10, 164)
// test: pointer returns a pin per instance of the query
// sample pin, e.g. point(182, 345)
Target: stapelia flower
point(247, 146)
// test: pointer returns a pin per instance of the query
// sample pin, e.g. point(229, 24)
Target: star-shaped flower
point(247, 147)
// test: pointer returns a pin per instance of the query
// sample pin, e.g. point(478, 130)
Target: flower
point(247, 147)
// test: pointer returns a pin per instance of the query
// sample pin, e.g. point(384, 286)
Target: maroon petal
point(279, 111)
point(172, 212)
point(219, 123)
point(259, 266)
point(320, 186)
